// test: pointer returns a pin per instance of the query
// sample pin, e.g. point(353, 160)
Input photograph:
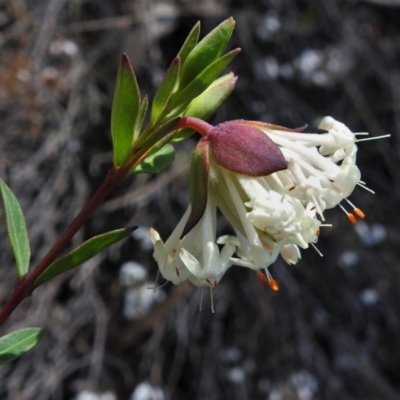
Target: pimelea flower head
point(273, 185)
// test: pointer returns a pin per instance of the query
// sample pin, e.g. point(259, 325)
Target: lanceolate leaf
point(198, 184)
point(124, 111)
point(156, 162)
point(140, 117)
point(190, 42)
point(17, 343)
point(207, 51)
point(83, 253)
point(16, 230)
point(167, 87)
point(201, 82)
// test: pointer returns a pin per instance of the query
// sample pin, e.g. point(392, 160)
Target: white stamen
point(269, 276)
point(153, 288)
point(373, 138)
point(351, 203)
point(212, 300)
point(344, 210)
point(316, 249)
point(365, 187)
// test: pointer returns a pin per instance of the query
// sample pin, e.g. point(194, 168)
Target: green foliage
point(16, 230)
point(83, 253)
point(156, 162)
point(167, 88)
point(124, 112)
point(200, 83)
point(190, 43)
point(16, 343)
point(205, 105)
point(199, 170)
point(140, 117)
point(207, 51)
point(185, 90)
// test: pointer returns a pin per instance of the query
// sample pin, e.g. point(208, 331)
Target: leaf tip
point(125, 58)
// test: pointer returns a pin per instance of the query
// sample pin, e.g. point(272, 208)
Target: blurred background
point(332, 331)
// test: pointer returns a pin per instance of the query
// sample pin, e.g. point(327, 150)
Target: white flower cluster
point(271, 215)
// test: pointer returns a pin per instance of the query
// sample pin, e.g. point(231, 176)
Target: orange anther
point(177, 272)
point(359, 213)
point(351, 218)
point(262, 277)
point(273, 284)
point(318, 232)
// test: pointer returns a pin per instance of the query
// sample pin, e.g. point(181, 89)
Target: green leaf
point(190, 43)
point(166, 89)
point(16, 230)
point(83, 253)
point(200, 83)
point(124, 111)
point(17, 343)
point(207, 51)
point(208, 102)
point(199, 171)
point(140, 117)
point(156, 162)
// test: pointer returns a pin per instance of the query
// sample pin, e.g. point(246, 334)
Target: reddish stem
point(25, 287)
point(196, 124)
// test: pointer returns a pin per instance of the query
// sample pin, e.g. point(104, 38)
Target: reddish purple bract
point(245, 150)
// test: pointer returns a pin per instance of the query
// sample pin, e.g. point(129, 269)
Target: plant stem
point(26, 286)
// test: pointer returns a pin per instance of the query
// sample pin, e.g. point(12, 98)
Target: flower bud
point(245, 150)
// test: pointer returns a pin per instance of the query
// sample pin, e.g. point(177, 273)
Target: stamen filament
point(350, 216)
point(373, 138)
point(212, 300)
point(267, 278)
point(361, 184)
point(316, 249)
point(356, 210)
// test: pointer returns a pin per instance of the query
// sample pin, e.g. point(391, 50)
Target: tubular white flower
point(196, 257)
point(166, 254)
point(249, 255)
point(290, 253)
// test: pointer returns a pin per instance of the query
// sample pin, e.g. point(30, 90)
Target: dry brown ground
point(331, 332)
